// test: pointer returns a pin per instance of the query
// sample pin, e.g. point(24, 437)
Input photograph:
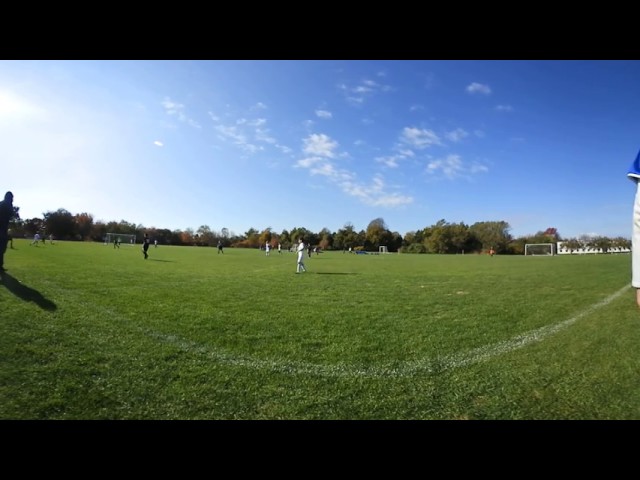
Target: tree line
point(442, 237)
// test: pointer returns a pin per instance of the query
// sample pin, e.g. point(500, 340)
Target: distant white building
point(561, 250)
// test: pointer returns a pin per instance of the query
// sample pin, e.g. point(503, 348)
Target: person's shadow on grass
point(26, 293)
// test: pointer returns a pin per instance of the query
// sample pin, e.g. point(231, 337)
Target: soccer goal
point(382, 249)
point(123, 238)
point(540, 249)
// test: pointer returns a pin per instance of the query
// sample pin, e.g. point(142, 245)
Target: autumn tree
point(205, 235)
point(84, 225)
point(345, 237)
point(60, 223)
point(375, 232)
point(492, 235)
point(265, 237)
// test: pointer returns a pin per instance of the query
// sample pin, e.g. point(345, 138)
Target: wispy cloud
point(320, 144)
point(158, 143)
point(374, 193)
point(322, 151)
point(390, 161)
point(393, 161)
point(357, 94)
point(419, 138)
point(478, 88)
point(237, 137)
point(243, 132)
point(324, 114)
point(504, 108)
point(453, 167)
point(172, 108)
point(456, 135)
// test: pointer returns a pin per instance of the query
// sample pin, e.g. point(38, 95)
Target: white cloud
point(390, 161)
point(359, 93)
point(307, 162)
point(419, 138)
point(238, 138)
point(173, 108)
point(263, 136)
point(456, 135)
point(479, 88)
point(320, 144)
point(374, 194)
point(284, 149)
point(391, 200)
point(415, 108)
point(324, 114)
point(407, 153)
point(504, 108)
point(321, 150)
point(453, 167)
point(327, 169)
point(158, 143)
point(232, 133)
point(243, 130)
point(450, 166)
point(478, 168)
point(259, 106)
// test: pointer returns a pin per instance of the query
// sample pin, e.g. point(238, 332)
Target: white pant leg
point(635, 240)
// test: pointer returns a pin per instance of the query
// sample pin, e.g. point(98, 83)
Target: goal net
point(122, 238)
point(382, 249)
point(540, 249)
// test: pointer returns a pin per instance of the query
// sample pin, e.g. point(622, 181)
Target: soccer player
point(300, 250)
point(145, 245)
point(6, 213)
point(220, 247)
point(634, 175)
point(267, 247)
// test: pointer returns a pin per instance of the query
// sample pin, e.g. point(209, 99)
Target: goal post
point(548, 249)
point(123, 238)
point(383, 249)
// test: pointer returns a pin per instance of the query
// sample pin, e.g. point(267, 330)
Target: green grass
point(91, 332)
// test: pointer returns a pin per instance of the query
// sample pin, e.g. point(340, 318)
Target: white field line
point(440, 364)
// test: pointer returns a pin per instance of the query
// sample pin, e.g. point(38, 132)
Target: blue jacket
point(634, 171)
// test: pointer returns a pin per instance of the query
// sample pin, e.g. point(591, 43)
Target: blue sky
point(315, 144)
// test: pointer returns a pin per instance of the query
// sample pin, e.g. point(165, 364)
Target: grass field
point(93, 332)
